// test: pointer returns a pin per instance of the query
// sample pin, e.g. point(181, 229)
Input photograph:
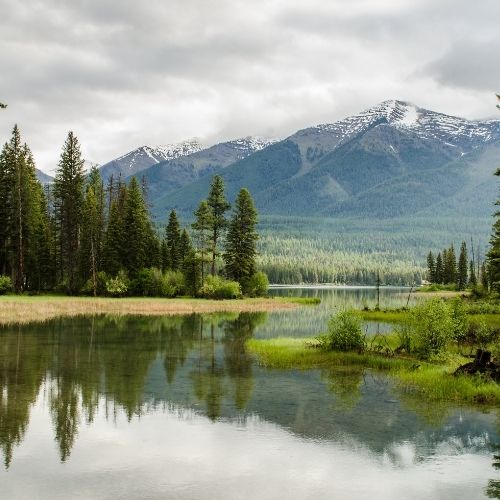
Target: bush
point(147, 283)
point(101, 279)
point(173, 284)
point(459, 319)
point(432, 326)
point(344, 333)
point(151, 282)
point(118, 286)
point(216, 287)
point(5, 284)
point(257, 285)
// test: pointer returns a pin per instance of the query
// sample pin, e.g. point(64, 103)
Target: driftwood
point(482, 364)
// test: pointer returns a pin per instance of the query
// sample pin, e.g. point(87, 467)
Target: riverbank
point(27, 309)
point(433, 381)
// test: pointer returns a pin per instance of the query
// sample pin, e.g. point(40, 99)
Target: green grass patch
point(435, 287)
point(433, 381)
point(384, 316)
point(305, 301)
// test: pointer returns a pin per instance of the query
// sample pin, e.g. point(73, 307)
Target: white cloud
point(122, 73)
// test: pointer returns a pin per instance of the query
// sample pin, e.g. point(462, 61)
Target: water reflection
point(311, 320)
point(87, 374)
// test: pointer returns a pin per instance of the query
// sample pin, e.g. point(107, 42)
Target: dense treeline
point(446, 269)
point(80, 236)
point(353, 250)
point(320, 259)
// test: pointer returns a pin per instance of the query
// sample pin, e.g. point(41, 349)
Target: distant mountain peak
point(407, 116)
point(184, 148)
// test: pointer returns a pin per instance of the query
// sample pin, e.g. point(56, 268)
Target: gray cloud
point(123, 73)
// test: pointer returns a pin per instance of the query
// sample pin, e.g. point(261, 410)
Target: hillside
point(170, 175)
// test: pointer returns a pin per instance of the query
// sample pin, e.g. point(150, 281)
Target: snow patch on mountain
point(428, 124)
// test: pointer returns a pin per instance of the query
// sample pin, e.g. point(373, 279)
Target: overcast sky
point(124, 73)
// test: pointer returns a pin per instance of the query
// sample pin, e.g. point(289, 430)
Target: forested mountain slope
point(392, 160)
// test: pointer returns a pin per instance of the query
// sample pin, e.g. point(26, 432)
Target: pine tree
point(20, 207)
point(219, 206)
point(431, 268)
point(114, 240)
point(68, 198)
point(203, 226)
point(137, 230)
point(485, 280)
point(450, 265)
point(172, 242)
point(242, 237)
point(439, 269)
point(185, 245)
point(493, 255)
point(192, 273)
point(92, 232)
point(472, 274)
point(462, 267)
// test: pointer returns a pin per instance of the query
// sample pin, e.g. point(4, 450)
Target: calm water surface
point(134, 407)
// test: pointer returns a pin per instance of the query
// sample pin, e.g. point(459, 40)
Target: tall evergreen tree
point(439, 269)
point(137, 230)
point(241, 241)
point(493, 255)
point(485, 278)
point(450, 265)
point(219, 206)
point(20, 213)
point(185, 245)
point(191, 268)
point(172, 242)
point(203, 226)
point(92, 232)
point(472, 274)
point(431, 268)
point(462, 269)
point(114, 240)
point(68, 198)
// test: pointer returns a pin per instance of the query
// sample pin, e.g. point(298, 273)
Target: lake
point(174, 407)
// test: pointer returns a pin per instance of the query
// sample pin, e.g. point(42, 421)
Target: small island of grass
point(422, 355)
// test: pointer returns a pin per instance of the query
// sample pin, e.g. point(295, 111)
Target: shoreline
point(30, 309)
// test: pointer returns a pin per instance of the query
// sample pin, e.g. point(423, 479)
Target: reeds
point(25, 309)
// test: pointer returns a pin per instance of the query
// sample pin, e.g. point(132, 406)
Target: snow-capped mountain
point(143, 157)
point(175, 173)
point(450, 130)
point(394, 159)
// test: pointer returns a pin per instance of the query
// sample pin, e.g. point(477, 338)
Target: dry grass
point(21, 309)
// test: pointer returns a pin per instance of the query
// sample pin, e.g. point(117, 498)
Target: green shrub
point(344, 332)
point(152, 282)
point(431, 326)
point(216, 287)
point(118, 286)
point(147, 283)
point(173, 284)
point(481, 334)
point(459, 319)
point(101, 279)
point(257, 285)
point(5, 284)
